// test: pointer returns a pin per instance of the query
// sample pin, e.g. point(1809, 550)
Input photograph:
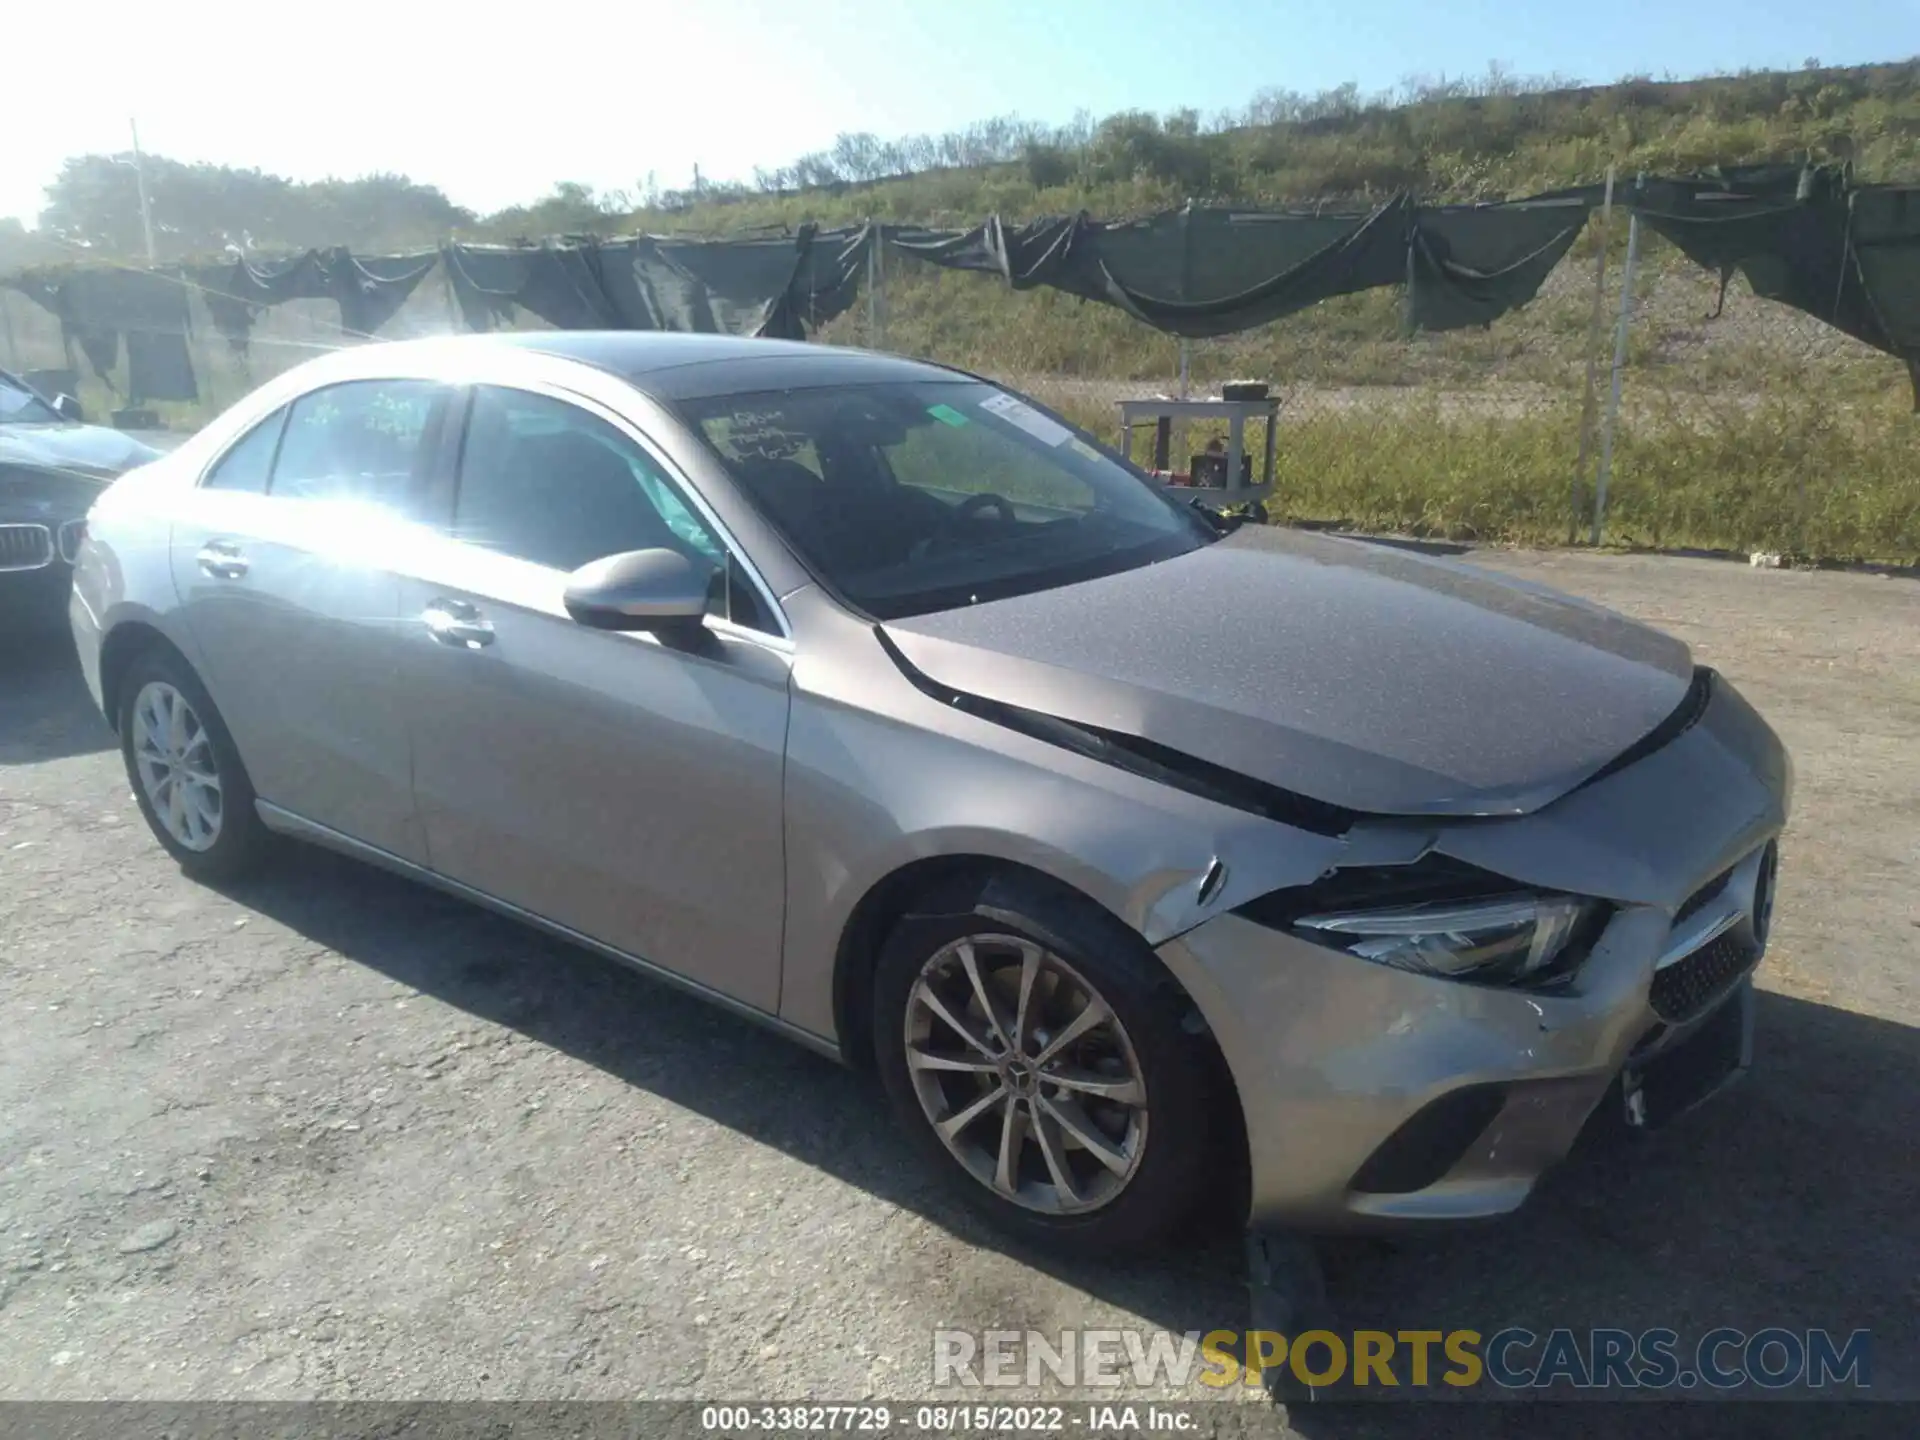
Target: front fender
point(880, 776)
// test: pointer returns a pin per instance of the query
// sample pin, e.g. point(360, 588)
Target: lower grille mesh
point(1689, 987)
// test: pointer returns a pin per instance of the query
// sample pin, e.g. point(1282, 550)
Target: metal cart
point(1160, 414)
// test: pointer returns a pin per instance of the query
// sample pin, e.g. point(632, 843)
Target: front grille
point(25, 547)
point(71, 534)
point(1690, 986)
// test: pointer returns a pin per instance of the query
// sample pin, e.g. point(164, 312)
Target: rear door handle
point(222, 560)
point(457, 623)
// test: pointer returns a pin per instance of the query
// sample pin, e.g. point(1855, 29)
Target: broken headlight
point(1500, 938)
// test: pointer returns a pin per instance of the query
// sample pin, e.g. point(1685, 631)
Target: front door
point(283, 560)
point(622, 787)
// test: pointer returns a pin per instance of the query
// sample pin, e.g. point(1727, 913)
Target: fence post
point(1589, 403)
point(1619, 367)
point(876, 299)
point(1186, 364)
point(455, 318)
point(1407, 288)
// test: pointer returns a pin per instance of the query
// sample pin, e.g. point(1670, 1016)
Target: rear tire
point(1085, 1127)
point(187, 777)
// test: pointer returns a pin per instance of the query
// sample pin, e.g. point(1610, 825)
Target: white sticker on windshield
point(1018, 412)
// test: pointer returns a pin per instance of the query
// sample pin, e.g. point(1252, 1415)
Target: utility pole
point(146, 209)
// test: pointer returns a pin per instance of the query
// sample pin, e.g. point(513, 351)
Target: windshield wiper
point(1221, 522)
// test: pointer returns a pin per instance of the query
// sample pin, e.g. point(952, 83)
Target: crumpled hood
point(1357, 674)
point(89, 450)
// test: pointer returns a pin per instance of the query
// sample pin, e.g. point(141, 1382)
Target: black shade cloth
point(1470, 265)
point(1886, 253)
point(489, 282)
point(1041, 252)
point(371, 289)
point(783, 287)
point(1203, 271)
point(737, 288)
point(96, 308)
point(368, 289)
point(559, 282)
point(236, 291)
point(1805, 238)
point(829, 268)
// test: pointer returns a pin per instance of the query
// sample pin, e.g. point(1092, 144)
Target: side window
point(545, 481)
point(364, 441)
point(247, 461)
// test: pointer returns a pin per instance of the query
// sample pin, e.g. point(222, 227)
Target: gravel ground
point(335, 1136)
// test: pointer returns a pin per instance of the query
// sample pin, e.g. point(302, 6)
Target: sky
point(498, 104)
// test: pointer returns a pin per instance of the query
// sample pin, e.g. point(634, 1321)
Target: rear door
point(625, 788)
point(285, 564)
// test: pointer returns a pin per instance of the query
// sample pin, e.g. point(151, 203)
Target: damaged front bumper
point(1373, 1096)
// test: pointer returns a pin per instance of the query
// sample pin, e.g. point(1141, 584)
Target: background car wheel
point(186, 774)
point(1035, 1050)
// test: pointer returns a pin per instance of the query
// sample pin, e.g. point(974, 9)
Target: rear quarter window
point(249, 460)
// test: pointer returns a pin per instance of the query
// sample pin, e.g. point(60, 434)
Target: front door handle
point(457, 623)
point(222, 560)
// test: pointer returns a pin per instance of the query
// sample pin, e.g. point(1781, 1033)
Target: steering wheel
point(954, 520)
point(985, 500)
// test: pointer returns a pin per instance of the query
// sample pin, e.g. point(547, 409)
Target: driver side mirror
point(657, 590)
point(68, 408)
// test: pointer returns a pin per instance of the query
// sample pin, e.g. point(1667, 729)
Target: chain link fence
point(1741, 424)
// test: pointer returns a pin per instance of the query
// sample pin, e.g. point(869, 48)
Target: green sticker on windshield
point(946, 415)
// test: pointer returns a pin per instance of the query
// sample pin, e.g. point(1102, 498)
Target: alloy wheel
point(1026, 1074)
point(173, 755)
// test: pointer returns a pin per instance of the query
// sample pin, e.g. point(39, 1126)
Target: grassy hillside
point(1490, 139)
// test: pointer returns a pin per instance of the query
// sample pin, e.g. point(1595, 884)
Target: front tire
point(1036, 1053)
point(187, 776)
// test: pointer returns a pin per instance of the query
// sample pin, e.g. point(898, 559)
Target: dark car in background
point(53, 466)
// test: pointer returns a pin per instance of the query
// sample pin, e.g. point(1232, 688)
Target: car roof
point(637, 352)
point(668, 366)
point(678, 366)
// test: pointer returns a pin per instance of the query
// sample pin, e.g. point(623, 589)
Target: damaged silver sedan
point(1141, 855)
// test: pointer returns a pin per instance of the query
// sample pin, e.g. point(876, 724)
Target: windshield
point(930, 495)
point(20, 406)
